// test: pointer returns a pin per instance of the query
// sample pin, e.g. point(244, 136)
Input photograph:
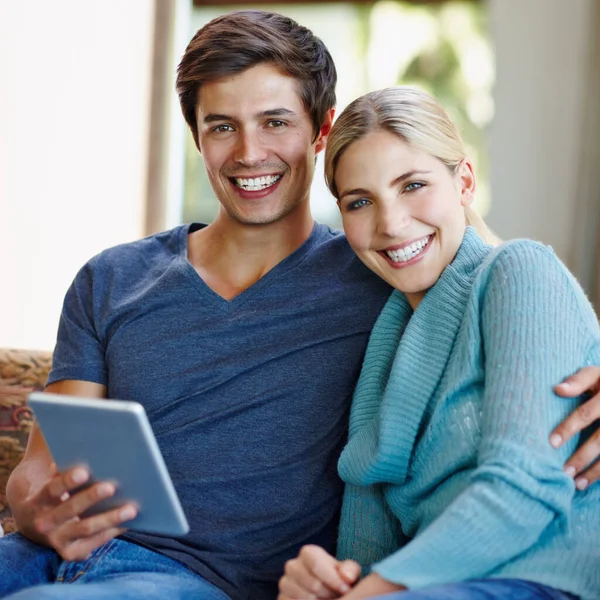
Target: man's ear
point(321, 140)
point(466, 182)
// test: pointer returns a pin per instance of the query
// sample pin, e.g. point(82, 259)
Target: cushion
point(21, 372)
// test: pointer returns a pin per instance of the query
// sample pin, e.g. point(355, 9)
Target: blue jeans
point(118, 570)
point(484, 589)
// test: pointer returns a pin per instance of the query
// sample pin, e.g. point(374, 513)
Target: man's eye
point(356, 204)
point(415, 185)
point(222, 128)
point(275, 123)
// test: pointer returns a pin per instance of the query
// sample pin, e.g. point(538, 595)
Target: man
point(243, 339)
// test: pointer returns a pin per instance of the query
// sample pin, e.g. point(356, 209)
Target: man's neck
point(231, 257)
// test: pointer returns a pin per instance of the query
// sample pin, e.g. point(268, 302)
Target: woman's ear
point(466, 182)
point(321, 140)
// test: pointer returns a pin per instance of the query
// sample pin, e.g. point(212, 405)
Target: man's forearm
point(26, 479)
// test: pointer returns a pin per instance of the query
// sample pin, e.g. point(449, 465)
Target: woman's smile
point(408, 253)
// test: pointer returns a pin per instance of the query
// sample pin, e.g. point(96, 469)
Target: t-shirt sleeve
point(537, 327)
point(79, 351)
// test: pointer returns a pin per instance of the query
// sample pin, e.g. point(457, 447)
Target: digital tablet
point(114, 440)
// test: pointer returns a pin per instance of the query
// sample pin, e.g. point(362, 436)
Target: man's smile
point(256, 184)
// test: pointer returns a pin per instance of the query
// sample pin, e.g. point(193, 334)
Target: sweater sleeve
point(537, 328)
point(367, 540)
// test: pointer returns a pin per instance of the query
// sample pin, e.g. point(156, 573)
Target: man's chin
point(260, 218)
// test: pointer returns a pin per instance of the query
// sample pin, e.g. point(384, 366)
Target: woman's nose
point(392, 220)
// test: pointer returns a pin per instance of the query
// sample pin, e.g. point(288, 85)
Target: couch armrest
point(21, 372)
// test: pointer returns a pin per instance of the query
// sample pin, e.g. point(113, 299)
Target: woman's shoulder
point(526, 262)
point(528, 274)
point(522, 252)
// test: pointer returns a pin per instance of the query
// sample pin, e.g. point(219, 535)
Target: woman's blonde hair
point(414, 116)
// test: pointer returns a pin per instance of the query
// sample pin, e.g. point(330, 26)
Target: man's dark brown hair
point(240, 40)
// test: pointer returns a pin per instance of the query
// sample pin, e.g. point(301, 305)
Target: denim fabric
point(117, 570)
point(484, 589)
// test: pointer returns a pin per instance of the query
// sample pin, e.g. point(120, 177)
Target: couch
point(21, 372)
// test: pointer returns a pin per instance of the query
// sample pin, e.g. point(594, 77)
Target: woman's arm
point(369, 531)
point(536, 329)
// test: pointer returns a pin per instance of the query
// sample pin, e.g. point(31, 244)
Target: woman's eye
point(355, 204)
point(415, 185)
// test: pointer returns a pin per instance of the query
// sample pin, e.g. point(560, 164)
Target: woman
point(452, 489)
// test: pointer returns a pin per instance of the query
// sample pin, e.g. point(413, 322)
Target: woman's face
point(402, 210)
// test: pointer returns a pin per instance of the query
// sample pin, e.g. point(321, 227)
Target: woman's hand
point(315, 574)
point(581, 465)
point(372, 585)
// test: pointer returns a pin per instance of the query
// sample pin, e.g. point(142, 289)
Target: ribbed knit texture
point(449, 472)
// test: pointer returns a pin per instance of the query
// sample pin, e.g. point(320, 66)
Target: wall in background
point(74, 112)
point(543, 51)
point(74, 115)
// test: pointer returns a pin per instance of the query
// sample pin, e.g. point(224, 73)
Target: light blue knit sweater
point(449, 472)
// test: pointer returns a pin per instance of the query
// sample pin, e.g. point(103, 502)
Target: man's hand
point(372, 585)
point(315, 574)
point(55, 513)
point(48, 506)
point(581, 465)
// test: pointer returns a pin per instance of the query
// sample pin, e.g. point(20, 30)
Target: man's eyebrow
point(407, 175)
point(272, 112)
point(277, 112)
point(213, 117)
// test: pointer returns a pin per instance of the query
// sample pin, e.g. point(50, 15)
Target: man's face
point(256, 139)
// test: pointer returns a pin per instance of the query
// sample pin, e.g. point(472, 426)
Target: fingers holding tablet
point(109, 460)
point(59, 487)
point(72, 503)
point(78, 538)
point(61, 506)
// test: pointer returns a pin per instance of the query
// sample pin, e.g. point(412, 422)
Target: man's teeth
point(255, 184)
point(408, 252)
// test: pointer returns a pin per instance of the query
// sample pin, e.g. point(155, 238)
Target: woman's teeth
point(408, 252)
point(255, 184)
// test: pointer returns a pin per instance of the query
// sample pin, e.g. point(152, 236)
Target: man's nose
point(250, 149)
point(392, 220)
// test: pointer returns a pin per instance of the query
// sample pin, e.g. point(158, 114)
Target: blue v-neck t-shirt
point(248, 398)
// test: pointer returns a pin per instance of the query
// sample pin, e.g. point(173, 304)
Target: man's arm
point(41, 501)
point(583, 465)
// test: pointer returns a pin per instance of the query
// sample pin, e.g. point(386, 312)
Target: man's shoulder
point(165, 245)
point(327, 233)
point(334, 260)
point(328, 239)
point(168, 241)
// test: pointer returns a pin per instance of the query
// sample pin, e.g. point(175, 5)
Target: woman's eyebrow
point(353, 192)
point(408, 175)
point(396, 181)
